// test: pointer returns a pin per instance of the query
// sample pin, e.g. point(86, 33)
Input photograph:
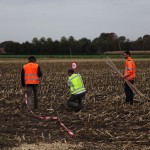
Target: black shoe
point(77, 110)
point(69, 110)
point(35, 107)
point(131, 103)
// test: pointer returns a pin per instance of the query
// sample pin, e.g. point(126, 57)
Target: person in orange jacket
point(30, 79)
point(130, 75)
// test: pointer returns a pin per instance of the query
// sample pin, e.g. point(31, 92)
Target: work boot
point(35, 107)
point(69, 110)
point(77, 109)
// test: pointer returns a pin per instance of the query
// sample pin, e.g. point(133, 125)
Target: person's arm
point(39, 72)
point(69, 83)
point(22, 78)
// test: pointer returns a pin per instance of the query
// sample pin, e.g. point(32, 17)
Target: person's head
point(126, 54)
point(70, 72)
point(32, 59)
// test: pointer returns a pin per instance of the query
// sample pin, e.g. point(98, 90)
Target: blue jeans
point(129, 93)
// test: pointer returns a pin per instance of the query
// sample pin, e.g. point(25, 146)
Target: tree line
point(105, 42)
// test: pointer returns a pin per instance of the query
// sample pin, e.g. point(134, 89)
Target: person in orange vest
point(30, 79)
point(130, 75)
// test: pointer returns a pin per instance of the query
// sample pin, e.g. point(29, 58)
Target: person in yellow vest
point(130, 75)
point(30, 79)
point(77, 91)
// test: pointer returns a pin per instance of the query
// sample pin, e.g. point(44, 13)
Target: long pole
point(133, 87)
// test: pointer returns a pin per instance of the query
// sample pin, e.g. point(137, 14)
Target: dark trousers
point(75, 102)
point(129, 93)
point(32, 88)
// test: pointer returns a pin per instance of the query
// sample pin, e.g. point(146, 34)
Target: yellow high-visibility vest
point(75, 83)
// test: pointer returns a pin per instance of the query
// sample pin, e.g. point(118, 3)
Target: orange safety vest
point(130, 69)
point(31, 73)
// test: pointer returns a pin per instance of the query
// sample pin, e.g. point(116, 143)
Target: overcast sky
point(22, 20)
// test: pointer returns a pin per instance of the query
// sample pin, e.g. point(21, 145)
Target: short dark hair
point(32, 58)
point(70, 70)
point(127, 53)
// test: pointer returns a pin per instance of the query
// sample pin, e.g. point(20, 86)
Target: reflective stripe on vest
point(31, 73)
point(76, 84)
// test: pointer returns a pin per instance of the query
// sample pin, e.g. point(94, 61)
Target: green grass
point(53, 56)
point(74, 56)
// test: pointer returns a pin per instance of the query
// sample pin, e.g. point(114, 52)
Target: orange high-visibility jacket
point(31, 73)
point(130, 69)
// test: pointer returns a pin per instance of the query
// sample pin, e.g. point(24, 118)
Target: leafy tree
point(84, 45)
point(105, 42)
point(12, 47)
point(146, 42)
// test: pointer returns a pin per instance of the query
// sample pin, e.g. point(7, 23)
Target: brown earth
point(105, 122)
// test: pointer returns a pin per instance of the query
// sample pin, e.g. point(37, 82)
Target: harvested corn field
point(105, 121)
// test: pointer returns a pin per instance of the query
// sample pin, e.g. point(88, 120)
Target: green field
point(75, 56)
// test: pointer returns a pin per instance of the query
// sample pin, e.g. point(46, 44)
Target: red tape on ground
point(48, 117)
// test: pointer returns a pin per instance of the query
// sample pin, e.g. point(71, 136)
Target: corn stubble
point(105, 122)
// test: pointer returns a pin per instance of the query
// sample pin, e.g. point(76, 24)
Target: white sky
point(22, 20)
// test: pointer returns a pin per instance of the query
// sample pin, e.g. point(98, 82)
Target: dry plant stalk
point(110, 125)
